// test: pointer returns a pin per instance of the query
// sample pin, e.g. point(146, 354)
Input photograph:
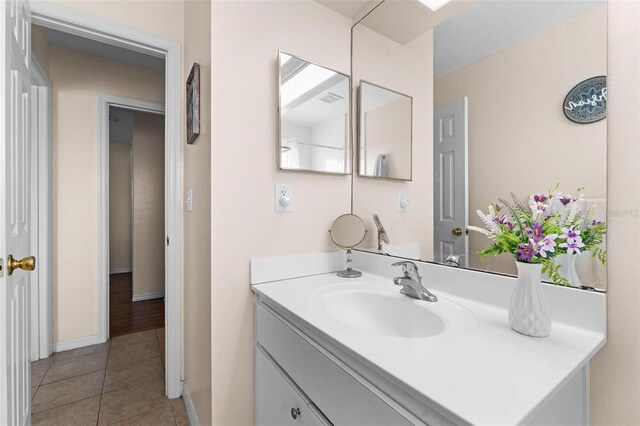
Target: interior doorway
point(135, 214)
point(89, 29)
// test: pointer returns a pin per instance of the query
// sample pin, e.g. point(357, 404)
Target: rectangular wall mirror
point(313, 117)
point(506, 99)
point(384, 132)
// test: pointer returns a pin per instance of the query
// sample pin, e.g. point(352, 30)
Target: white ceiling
point(488, 26)
point(352, 9)
point(93, 47)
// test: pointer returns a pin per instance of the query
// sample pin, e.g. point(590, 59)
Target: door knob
point(28, 264)
point(456, 231)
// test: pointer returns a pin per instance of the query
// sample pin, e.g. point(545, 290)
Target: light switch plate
point(189, 200)
point(284, 198)
point(403, 201)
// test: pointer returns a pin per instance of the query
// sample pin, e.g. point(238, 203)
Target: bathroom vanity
point(330, 350)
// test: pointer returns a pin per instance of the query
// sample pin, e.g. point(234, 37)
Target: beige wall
point(120, 232)
point(406, 69)
point(387, 130)
point(148, 203)
point(615, 371)
point(197, 223)
point(246, 38)
point(519, 138)
point(76, 80)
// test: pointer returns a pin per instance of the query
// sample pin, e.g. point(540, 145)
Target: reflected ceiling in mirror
point(488, 81)
point(384, 132)
point(313, 117)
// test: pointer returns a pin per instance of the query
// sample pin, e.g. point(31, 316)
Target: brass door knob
point(456, 231)
point(28, 264)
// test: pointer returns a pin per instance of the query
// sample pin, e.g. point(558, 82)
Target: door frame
point(41, 339)
point(62, 18)
point(105, 102)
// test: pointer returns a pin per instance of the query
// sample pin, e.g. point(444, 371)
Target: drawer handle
point(295, 412)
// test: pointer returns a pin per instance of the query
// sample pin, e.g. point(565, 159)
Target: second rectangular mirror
point(384, 132)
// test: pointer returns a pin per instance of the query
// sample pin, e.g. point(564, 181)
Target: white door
point(450, 165)
point(15, 216)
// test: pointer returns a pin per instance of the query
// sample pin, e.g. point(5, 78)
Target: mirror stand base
point(349, 273)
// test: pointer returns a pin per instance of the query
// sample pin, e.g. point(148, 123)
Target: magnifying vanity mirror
point(485, 88)
point(348, 232)
point(313, 117)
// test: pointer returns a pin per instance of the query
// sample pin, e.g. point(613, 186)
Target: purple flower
point(502, 219)
point(572, 246)
point(595, 222)
point(566, 199)
point(527, 251)
point(509, 225)
point(536, 232)
point(547, 244)
point(570, 234)
point(541, 198)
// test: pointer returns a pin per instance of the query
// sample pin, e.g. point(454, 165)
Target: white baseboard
point(147, 296)
point(188, 403)
point(65, 345)
point(120, 271)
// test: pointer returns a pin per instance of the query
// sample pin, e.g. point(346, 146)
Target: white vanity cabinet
point(291, 370)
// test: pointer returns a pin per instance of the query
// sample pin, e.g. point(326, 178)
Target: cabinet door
point(316, 418)
point(277, 402)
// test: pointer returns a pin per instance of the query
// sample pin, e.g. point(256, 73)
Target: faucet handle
point(408, 267)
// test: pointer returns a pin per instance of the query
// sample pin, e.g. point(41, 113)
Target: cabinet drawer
point(277, 402)
point(341, 398)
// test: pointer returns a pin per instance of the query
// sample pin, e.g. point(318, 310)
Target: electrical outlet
point(403, 201)
point(284, 198)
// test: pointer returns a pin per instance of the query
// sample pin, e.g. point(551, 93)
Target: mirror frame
point(359, 132)
point(348, 140)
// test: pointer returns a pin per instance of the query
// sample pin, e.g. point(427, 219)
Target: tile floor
point(120, 382)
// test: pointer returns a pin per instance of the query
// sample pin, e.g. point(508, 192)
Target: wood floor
point(127, 317)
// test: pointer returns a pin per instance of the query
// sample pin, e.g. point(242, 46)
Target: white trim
point(148, 296)
point(80, 342)
point(188, 404)
point(53, 15)
point(120, 271)
point(41, 198)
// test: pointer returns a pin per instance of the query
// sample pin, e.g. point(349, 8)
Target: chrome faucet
point(382, 234)
point(454, 260)
point(412, 283)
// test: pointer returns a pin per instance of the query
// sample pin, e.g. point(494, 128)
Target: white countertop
point(486, 374)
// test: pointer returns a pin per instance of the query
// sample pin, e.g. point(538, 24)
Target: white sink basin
point(381, 309)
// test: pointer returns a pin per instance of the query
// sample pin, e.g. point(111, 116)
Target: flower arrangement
point(554, 223)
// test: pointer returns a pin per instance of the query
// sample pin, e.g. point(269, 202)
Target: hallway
point(119, 382)
point(127, 317)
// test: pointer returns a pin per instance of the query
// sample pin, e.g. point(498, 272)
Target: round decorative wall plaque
point(587, 101)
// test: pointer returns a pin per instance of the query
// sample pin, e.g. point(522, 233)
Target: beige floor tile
point(81, 351)
point(67, 391)
point(39, 369)
point(119, 376)
point(33, 391)
point(135, 338)
point(130, 355)
point(70, 367)
point(131, 401)
point(79, 413)
point(180, 412)
point(161, 335)
point(162, 416)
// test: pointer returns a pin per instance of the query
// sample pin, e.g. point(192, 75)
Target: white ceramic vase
point(567, 269)
point(529, 311)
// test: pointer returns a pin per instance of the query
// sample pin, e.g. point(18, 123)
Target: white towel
point(380, 168)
